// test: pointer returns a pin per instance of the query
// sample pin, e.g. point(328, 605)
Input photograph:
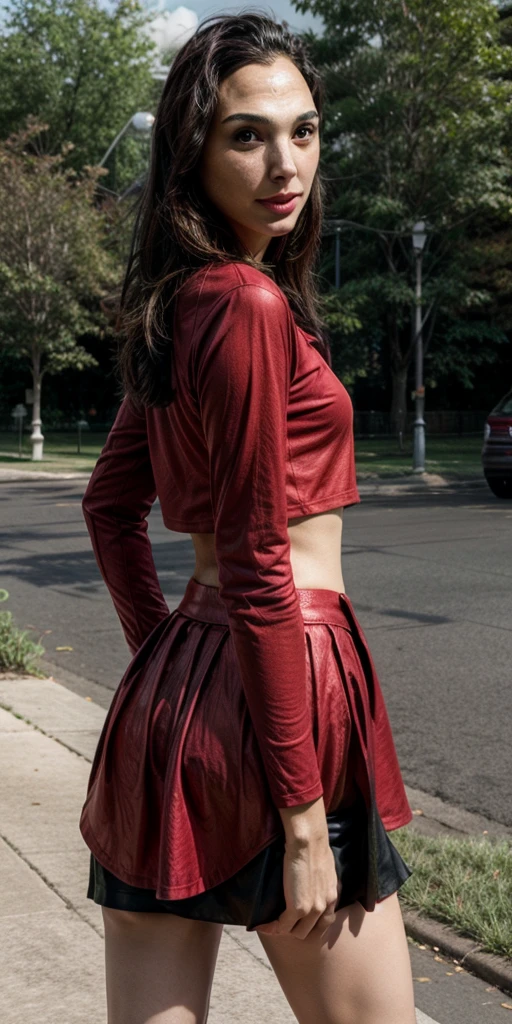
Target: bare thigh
point(159, 967)
point(358, 972)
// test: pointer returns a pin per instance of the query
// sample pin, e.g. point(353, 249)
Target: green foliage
point(17, 651)
point(343, 313)
point(81, 69)
point(416, 128)
point(54, 262)
point(466, 347)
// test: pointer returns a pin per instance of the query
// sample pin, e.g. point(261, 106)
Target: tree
point(82, 70)
point(415, 129)
point(55, 264)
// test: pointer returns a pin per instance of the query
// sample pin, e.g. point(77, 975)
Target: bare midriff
point(315, 552)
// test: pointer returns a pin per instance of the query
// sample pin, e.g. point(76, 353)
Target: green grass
point(18, 652)
point(464, 883)
point(456, 456)
point(59, 452)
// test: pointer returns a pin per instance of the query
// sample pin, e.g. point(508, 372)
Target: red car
point(497, 449)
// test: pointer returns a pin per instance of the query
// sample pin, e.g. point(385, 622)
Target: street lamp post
point(419, 237)
point(142, 121)
point(334, 227)
point(337, 265)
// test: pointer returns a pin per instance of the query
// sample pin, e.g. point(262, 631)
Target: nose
point(281, 160)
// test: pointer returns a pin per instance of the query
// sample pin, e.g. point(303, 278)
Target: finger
point(315, 924)
point(323, 924)
point(266, 929)
point(290, 922)
point(303, 927)
point(287, 921)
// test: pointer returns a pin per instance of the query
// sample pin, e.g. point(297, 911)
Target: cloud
point(171, 29)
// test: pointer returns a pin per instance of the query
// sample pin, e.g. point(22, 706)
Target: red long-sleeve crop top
point(260, 432)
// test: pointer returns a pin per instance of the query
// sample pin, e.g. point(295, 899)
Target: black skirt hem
point(255, 895)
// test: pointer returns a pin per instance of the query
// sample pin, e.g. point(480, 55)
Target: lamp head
point(419, 236)
point(143, 121)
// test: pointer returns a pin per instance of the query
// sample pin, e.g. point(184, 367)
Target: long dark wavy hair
point(177, 229)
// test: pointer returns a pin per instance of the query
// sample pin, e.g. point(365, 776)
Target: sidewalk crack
point(49, 884)
point(8, 707)
point(245, 948)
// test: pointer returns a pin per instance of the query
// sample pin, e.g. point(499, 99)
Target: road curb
point(487, 966)
point(26, 475)
point(427, 483)
point(367, 484)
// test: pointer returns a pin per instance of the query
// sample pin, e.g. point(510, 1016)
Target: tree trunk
point(36, 436)
point(399, 402)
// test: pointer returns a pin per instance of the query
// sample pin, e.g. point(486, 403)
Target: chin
point(278, 226)
point(275, 230)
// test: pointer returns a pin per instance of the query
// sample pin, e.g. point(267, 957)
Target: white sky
point(280, 9)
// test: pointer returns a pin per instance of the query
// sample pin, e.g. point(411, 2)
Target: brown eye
point(244, 131)
point(307, 127)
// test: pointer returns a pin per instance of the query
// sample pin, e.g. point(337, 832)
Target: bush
point(17, 651)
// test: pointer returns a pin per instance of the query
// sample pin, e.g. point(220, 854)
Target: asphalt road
point(430, 578)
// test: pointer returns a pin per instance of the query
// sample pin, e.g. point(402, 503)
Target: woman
point(246, 772)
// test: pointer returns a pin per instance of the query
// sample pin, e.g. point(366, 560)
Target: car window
point(504, 407)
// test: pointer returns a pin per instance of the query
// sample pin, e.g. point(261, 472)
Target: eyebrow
point(260, 119)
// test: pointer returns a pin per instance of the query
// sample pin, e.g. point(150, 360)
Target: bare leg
point(159, 967)
point(358, 972)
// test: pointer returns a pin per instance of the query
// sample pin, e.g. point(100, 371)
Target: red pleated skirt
point(177, 800)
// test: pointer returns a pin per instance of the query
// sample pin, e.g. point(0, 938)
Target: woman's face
point(263, 142)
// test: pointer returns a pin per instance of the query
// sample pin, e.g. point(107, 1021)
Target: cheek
point(229, 177)
point(310, 162)
point(239, 173)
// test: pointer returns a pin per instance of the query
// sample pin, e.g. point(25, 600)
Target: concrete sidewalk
point(51, 935)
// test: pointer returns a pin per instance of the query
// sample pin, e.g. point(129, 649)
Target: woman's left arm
point(115, 506)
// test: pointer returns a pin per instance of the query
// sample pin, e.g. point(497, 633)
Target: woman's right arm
point(116, 504)
point(242, 368)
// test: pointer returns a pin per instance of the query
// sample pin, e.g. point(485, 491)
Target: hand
point(311, 889)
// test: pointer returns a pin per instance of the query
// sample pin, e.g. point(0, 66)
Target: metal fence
point(366, 424)
point(446, 423)
point(8, 426)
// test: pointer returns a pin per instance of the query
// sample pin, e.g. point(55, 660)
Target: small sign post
point(82, 425)
point(19, 412)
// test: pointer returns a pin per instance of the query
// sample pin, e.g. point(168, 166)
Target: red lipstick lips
point(281, 203)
